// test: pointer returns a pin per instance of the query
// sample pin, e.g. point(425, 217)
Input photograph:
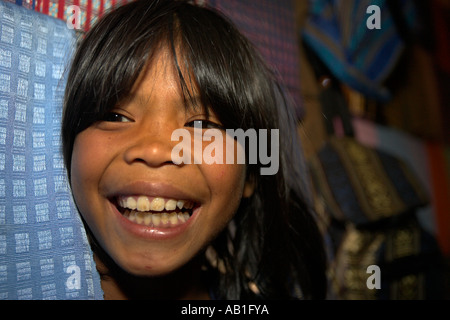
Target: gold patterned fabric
point(407, 272)
point(367, 201)
point(363, 185)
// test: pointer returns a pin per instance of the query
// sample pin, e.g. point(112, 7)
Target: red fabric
point(42, 6)
point(441, 21)
point(440, 194)
point(89, 15)
point(61, 12)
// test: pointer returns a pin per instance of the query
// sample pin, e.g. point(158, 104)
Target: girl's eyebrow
point(189, 102)
point(193, 102)
point(140, 99)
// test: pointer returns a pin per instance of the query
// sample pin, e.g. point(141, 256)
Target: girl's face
point(149, 214)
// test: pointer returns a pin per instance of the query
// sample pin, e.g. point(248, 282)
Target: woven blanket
point(44, 253)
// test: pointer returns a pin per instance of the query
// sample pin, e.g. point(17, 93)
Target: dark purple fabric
point(271, 26)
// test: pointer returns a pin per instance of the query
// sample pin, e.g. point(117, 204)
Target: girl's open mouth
point(155, 211)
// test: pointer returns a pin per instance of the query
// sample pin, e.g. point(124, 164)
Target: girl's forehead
point(159, 67)
point(168, 62)
point(160, 78)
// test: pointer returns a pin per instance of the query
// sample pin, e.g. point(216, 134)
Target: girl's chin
point(149, 271)
point(134, 265)
point(157, 265)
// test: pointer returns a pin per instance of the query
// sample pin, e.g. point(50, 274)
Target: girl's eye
point(204, 124)
point(115, 117)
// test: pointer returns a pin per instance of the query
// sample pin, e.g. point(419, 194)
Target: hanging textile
point(361, 57)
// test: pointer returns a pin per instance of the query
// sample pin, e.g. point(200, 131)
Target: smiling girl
point(161, 229)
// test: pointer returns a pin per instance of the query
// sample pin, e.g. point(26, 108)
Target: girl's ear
point(249, 187)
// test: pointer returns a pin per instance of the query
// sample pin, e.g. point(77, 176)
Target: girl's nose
point(150, 147)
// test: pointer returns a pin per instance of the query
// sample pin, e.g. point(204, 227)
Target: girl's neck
point(186, 283)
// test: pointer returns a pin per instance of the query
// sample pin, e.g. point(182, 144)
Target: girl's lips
point(150, 190)
point(155, 204)
point(151, 232)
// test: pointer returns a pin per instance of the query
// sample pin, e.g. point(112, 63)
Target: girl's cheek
point(89, 151)
point(222, 174)
point(80, 163)
point(225, 180)
point(87, 159)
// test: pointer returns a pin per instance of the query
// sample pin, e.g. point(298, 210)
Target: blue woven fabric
point(359, 56)
point(44, 253)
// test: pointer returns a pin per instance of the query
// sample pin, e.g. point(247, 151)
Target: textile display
point(44, 251)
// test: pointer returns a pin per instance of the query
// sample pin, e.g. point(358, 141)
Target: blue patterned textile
point(362, 57)
point(44, 253)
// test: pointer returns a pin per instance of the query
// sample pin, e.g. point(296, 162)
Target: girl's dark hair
point(274, 243)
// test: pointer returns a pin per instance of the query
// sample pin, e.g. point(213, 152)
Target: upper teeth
point(144, 203)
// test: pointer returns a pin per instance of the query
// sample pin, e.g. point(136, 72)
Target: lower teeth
point(165, 219)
